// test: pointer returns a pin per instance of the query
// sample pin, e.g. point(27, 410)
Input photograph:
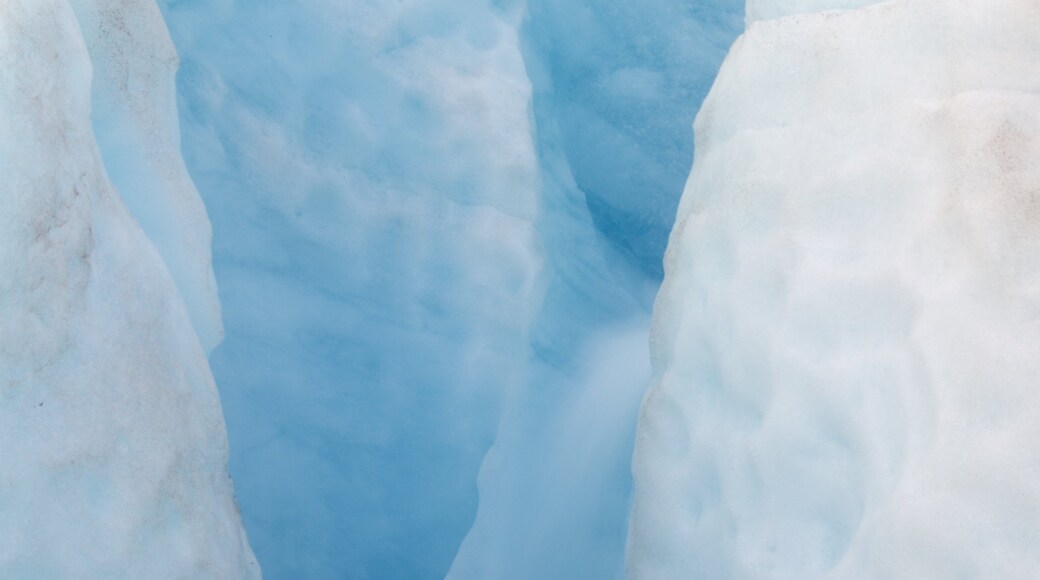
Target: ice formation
point(845, 345)
point(373, 215)
point(111, 436)
point(429, 239)
point(614, 145)
point(135, 122)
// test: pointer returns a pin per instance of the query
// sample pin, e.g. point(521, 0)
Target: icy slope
point(846, 344)
point(111, 437)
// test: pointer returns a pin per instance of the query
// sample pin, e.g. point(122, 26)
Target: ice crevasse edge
point(845, 346)
point(111, 432)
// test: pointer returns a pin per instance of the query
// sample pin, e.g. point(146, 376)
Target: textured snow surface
point(111, 437)
point(846, 345)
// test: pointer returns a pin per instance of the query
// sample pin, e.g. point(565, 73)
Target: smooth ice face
point(113, 445)
point(135, 120)
point(845, 346)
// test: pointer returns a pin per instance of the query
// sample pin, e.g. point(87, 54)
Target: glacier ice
point(438, 232)
point(374, 242)
point(615, 87)
point(443, 236)
point(111, 436)
point(135, 121)
point(430, 239)
point(770, 9)
point(844, 346)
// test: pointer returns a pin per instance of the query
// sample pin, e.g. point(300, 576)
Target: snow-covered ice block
point(846, 346)
point(112, 443)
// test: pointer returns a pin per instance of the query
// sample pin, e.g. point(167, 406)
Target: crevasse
point(369, 170)
point(134, 113)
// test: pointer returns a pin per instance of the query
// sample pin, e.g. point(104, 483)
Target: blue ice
point(438, 231)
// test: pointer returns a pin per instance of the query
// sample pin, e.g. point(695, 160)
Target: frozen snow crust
point(846, 345)
point(111, 437)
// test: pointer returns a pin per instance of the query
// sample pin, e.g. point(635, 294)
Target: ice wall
point(372, 182)
point(845, 346)
point(113, 445)
point(617, 85)
point(615, 91)
point(135, 120)
point(439, 224)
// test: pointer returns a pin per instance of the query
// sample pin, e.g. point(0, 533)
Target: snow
point(111, 434)
point(844, 347)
